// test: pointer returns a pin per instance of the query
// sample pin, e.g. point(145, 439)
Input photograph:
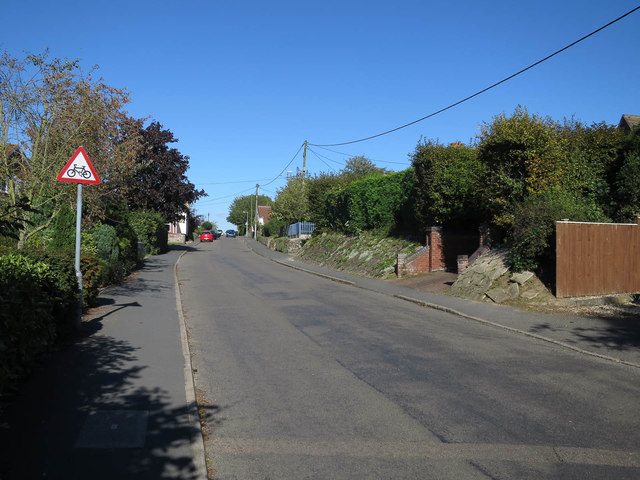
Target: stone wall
point(480, 280)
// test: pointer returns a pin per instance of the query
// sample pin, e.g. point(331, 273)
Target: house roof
point(627, 122)
point(264, 213)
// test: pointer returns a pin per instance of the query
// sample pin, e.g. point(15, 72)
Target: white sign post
point(79, 170)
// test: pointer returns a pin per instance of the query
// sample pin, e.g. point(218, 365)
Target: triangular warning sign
point(79, 169)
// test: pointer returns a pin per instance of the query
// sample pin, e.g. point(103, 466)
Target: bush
point(107, 243)
point(448, 185)
point(64, 230)
point(380, 202)
point(27, 324)
point(150, 228)
point(65, 284)
point(532, 233)
point(114, 254)
point(92, 276)
point(272, 227)
point(128, 246)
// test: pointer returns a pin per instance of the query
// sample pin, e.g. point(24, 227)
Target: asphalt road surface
point(303, 377)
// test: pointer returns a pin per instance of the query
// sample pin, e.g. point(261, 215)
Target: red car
point(207, 236)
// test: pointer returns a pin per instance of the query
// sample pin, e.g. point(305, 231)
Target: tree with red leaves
point(159, 182)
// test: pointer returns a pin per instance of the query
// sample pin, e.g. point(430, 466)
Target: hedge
point(379, 202)
point(27, 323)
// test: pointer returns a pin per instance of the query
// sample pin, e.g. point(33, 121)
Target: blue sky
point(242, 84)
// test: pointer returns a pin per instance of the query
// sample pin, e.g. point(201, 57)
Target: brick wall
point(436, 249)
point(440, 253)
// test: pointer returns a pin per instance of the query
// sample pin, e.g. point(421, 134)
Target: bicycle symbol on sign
point(79, 170)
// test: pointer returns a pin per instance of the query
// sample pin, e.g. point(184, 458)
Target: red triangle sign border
point(64, 176)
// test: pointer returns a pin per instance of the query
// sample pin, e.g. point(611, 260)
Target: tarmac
point(119, 400)
point(612, 338)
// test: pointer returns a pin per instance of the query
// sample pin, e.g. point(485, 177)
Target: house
point(264, 214)
point(179, 231)
point(627, 122)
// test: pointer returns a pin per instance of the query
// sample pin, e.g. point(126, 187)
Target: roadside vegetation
point(48, 108)
point(519, 176)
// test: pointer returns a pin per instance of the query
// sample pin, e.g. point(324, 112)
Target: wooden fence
point(597, 258)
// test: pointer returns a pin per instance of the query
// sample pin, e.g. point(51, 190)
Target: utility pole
point(255, 220)
point(304, 160)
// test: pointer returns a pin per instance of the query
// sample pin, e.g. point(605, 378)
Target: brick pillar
point(485, 235)
point(436, 249)
point(463, 261)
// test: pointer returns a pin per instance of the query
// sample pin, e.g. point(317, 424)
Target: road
point(309, 378)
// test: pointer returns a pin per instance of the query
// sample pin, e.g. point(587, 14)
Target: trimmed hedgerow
point(378, 202)
point(27, 323)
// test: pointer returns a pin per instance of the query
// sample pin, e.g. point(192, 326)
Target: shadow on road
point(40, 426)
point(619, 332)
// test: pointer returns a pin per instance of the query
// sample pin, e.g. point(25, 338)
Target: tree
point(245, 207)
point(292, 204)
point(47, 109)
point(523, 156)
point(358, 168)
point(318, 188)
point(591, 163)
point(627, 183)
point(448, 184)
point(159, 182)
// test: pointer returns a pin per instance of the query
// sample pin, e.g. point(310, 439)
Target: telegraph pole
point(255, 219)
point(304, 160)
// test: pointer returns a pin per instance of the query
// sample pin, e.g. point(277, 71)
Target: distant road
point(309, 378)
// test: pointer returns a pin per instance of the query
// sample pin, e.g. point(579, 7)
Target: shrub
point(532, 233)
point(89, 246)
point(64, 293)
point(111, 270)
point(150, 228)
point(107, 243)
point(27, 326)
point(384, 202)
point(448, 185)
point(523, 155)
point(272, 227)
point(64, 230)
point(128, 246)
point(92, 276)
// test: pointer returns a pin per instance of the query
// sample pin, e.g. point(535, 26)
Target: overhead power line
point(484, 89)
point(232, 182)
point(352, 155)
point(322, 158)
point(287, 166)
point(211, 200)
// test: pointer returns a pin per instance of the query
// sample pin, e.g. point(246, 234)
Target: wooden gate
point(597, 258)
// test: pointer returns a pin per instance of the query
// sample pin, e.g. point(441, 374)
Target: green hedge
point(150, 228)
point(448, 185)
point(27, 323)
point(38, 304)
point(380, 202)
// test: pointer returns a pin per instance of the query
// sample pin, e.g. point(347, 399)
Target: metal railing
point(300, 228)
